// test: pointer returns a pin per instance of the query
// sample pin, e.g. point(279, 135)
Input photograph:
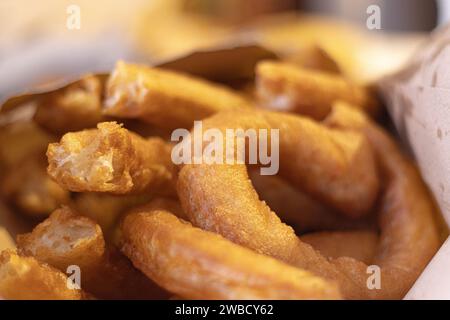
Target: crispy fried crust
point(196, 264)
point(408, 235)
point(360, 245)
point(110, 159)
point(66, 238)
point(77, 107)
point(285, 87)
point(334, 166)
point(164, 98)
point(24, 278)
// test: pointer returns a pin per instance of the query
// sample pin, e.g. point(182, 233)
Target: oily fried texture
point(333, 166)
point(66, 238)
point(286, 87)
point(165, 98)
point(76, 107)
point(29, 188)
point(24, 278)
point(111, 159)
point(196, 264)
point(359, 245)
point(408, 236)
point(298, 209)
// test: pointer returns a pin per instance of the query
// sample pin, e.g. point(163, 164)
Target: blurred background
point(39, 43)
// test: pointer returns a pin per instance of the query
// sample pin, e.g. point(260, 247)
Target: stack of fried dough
point(347, 216)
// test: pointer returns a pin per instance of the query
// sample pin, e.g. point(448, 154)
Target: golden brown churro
point(334, 166)
point(285, 87)
point(165, 98)
point(405, 219)
point(191, 263)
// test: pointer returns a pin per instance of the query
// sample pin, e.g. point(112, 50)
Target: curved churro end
point(24, 278)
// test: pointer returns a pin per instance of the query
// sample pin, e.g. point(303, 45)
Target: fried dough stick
point(111, 159)
point(197, 264)
point(165, 98)
point(285, 87)
point(28, 186)
point(76, 107)
point(333, 166)
point(408, 239)
point(24, 278)
point(66, 238)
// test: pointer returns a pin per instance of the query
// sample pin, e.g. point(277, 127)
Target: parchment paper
point(418, 100)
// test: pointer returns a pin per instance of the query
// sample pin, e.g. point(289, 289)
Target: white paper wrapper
point(434, 284)
point(418, 100)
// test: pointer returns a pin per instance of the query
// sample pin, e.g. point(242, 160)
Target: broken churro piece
point(24, 278)
point(66, 239)
point(110, 159)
